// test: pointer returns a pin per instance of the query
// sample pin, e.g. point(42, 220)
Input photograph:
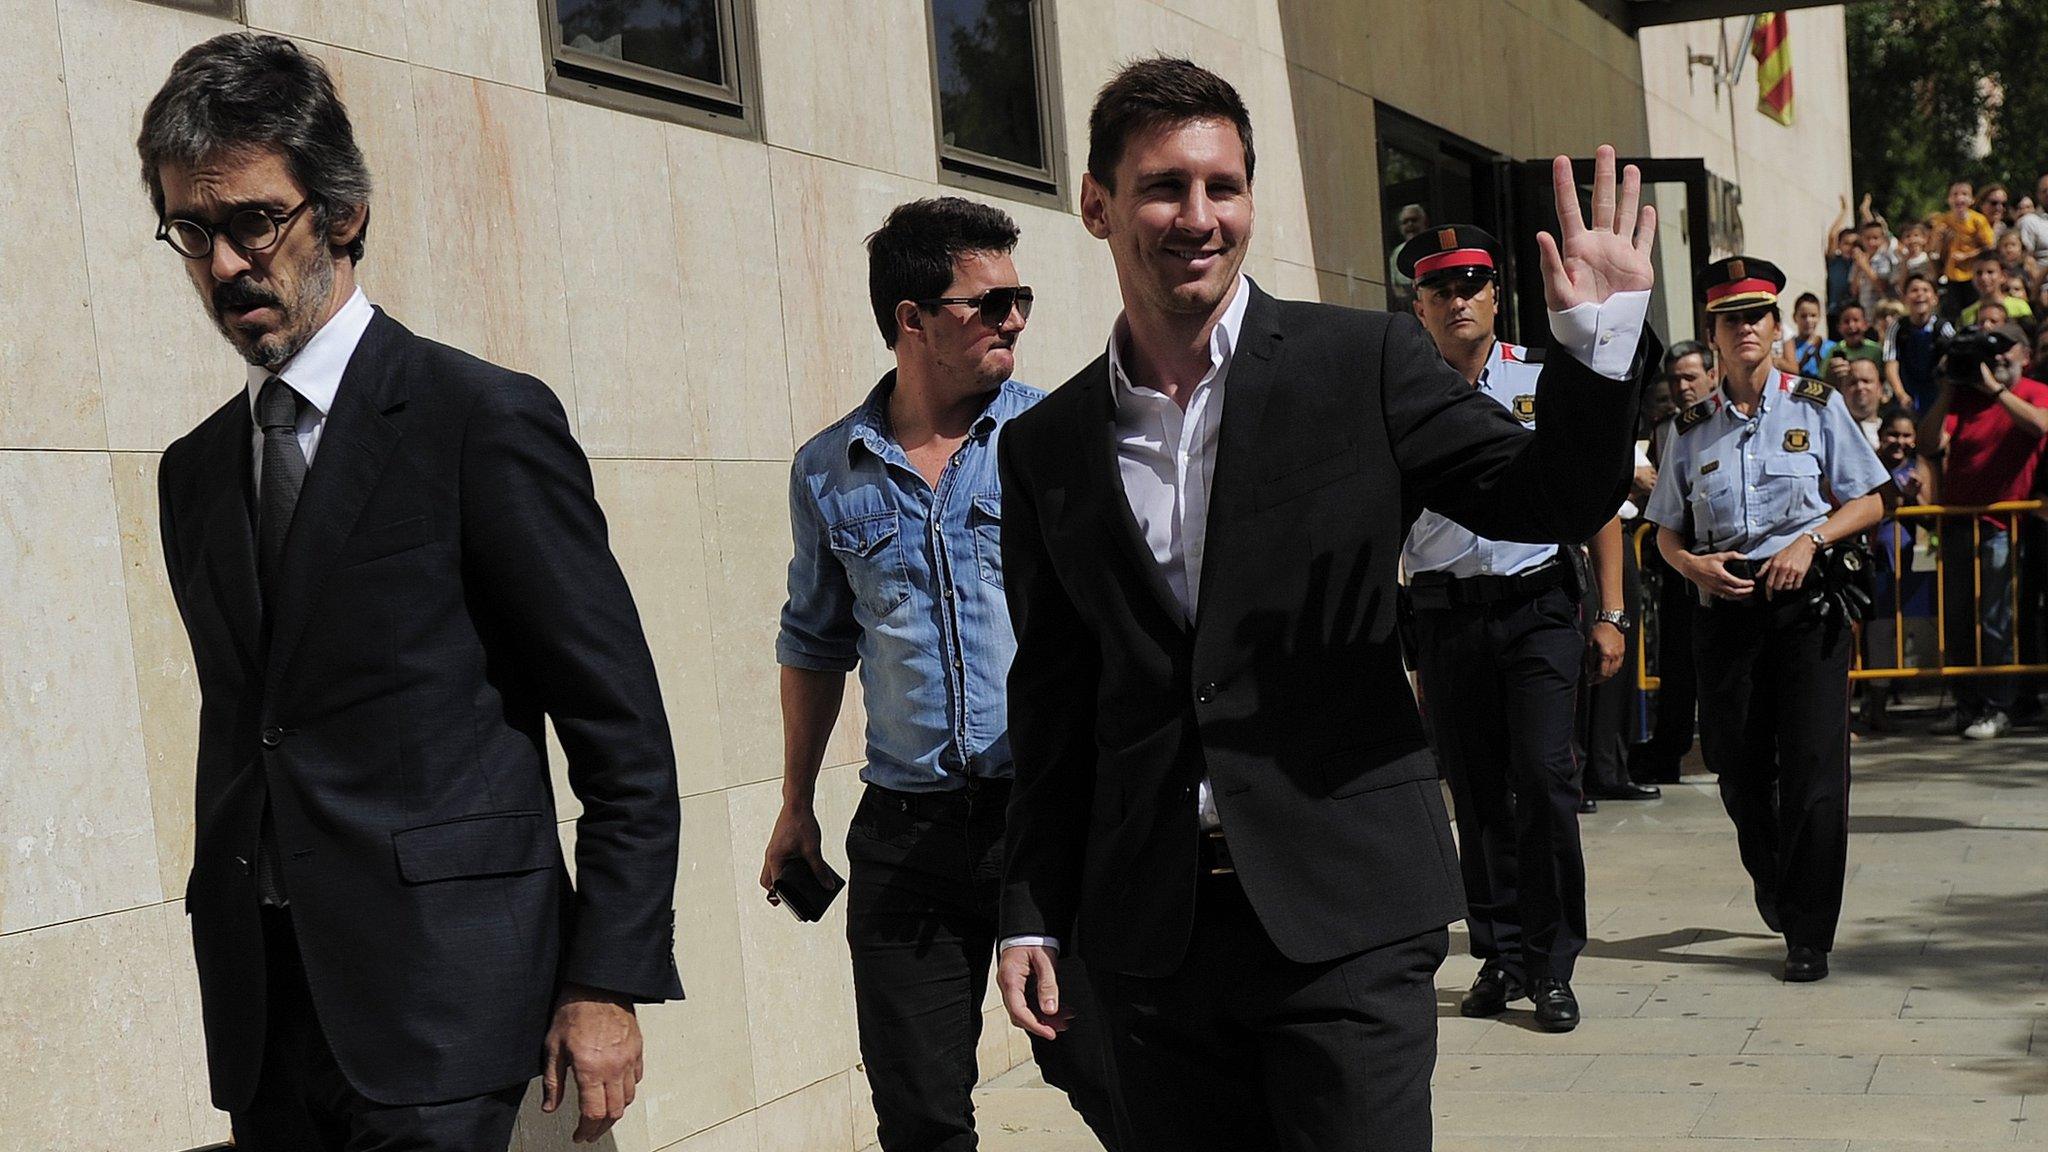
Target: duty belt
point(1753, 570)
point(1435, 591)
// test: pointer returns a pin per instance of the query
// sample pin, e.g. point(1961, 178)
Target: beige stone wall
point(1792, 178)
point(699, 303)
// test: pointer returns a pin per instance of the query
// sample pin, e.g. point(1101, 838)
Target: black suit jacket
point(446, 582)
point(1288, 691)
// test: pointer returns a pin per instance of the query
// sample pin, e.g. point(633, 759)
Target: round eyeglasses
point(249, 230)
point(994, 305)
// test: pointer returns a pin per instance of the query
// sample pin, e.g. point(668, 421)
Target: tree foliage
point(1925, 77)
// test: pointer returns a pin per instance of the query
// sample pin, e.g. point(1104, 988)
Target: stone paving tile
point(1689, 1144)
point(1960, 1075)
point(1976, 1003)
point(1807, 1001)
point(1892, 1037)
point(1627, 1037)
point(1494, 1071)
point(1574, 1114)
point(1852, 1117)
point(1715, 1074)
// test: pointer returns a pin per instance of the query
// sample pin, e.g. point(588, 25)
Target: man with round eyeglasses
point(393, 570)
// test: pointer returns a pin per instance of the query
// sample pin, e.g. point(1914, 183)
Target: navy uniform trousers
point(1774, 724)
point(1499, 684)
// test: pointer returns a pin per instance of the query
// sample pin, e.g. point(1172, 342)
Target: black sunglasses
point(994, 304)
point(1749, 316)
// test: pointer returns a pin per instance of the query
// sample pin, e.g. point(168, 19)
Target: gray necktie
point(284, 473)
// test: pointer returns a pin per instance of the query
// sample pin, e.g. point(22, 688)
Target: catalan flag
point(1772, 47)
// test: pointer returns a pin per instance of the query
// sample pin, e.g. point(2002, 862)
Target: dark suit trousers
point(1604, 708)
point(1774, 724)
point(304, 1104)
point(1244, 1050)
point(1499, 684)
point(1656, 761)
point(921, 905)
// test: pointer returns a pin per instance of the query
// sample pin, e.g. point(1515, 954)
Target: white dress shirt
point(1166, 457)
point(315, 374)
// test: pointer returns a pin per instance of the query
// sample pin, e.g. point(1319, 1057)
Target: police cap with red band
point(1452, 250)
point(1740, 283)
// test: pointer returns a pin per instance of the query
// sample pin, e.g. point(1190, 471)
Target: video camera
point(1965, 352)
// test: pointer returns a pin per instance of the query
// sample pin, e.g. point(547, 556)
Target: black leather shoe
point(1627, 790)
point(1588, 805)
point(1805, 964)
point(1557, 1010)
point(1490, 992)
point(1767, 907)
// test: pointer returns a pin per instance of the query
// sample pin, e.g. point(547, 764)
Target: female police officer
point(1764, 476)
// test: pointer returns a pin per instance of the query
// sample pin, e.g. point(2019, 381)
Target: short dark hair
point(1846, 233)
point(1159, 92)
point(1806, 298)
point(1857, 305)
point(911, 256)
point(243, 90)
point(1684, 348)
point(1922, 277)
point(1984, 258)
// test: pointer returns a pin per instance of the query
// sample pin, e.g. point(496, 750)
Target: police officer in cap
point(1499, 654)
point(1766, 480)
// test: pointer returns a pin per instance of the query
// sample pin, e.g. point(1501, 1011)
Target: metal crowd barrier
point(1946, 664)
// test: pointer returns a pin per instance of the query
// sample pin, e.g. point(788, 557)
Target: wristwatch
point(1820, 542)
point(1616, 617)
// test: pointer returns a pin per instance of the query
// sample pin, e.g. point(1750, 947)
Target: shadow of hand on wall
point(540, 1132)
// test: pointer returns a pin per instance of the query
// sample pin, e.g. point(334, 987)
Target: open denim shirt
point(906, 582)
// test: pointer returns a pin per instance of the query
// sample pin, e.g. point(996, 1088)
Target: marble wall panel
point(700, 1062)
point(93, 1029)
point(397, 272)
point(657, 529)
point(496, 40)
point(850, 79)
point(618, 255)
point(1340, 175)
point(49, 366)
point(492, 228)
point(1282, 229)
point(378, 26)
point(739, 1134)
point(1075, 285)
point(747, 542)
point(724, 230)
point(799, 981)
point(815, 1118)
point(77, 835)
point(167, 690)
point(162, 366)
point(822, 211)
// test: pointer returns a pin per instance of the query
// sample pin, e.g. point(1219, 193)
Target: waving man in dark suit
point(391, 565)
point(1224, 797)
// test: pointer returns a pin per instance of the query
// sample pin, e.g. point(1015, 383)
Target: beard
point(308, 291)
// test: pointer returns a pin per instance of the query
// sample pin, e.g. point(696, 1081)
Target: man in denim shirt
point(896, 514)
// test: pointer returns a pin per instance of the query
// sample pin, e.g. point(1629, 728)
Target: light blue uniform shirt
point(1438, 543)
point(1753, 484)
point(906, 582)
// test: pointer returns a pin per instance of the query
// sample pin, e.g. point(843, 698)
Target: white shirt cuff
point(1603, 337)
point(1010, 942)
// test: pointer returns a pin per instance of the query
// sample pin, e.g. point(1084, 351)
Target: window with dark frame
point(685, 53)
point(995, 92)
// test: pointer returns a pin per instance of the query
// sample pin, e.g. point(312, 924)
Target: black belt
point(986, 793)
point(1436, 591)
point(1213, 854)
point(1753, 570)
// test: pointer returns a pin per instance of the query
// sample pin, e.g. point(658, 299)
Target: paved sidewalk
point(1922, 1040)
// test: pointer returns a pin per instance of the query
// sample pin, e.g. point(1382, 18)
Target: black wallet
point(803, 893)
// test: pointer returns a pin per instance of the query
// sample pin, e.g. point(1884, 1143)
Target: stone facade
point(698, 301)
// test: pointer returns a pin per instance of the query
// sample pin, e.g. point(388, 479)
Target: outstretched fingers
point(1565, 191)
point(1603, 188)
point(1631, 196)
point(1646, 228)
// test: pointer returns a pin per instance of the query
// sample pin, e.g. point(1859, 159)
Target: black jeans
point(1499, 684)
point(1244, 1050)
point(921, 903)
point(1774, 725)
point(305, 1104)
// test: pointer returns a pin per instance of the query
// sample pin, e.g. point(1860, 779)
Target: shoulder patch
point(1532, 355)
point(1812, 390)
point(1693, 415)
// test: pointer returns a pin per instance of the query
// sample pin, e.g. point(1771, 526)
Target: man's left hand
point(595, 1036)
point(1586, 265)
point(1787, 570)
point(1605, 648)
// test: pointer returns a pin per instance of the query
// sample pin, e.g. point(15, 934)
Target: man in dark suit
point(391, 565)
point(1224, 797)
